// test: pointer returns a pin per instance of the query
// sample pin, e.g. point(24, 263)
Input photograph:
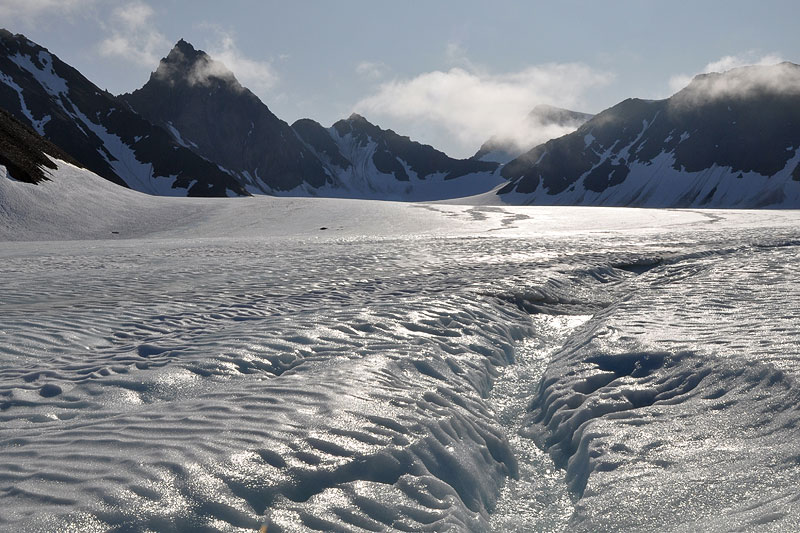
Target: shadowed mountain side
point(726, 140)
point(207, 110)
point(24, 152)
point(99, 130)
point(369, 161)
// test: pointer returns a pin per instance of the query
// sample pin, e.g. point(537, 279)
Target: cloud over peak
point(226, 57)
point(723, 64)
point(473, 105)
point(134, 37)
point(742, 82)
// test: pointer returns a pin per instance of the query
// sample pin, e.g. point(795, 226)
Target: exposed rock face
point(99, 130)
point(207, 110)
point(24, 152)
point(726, 140)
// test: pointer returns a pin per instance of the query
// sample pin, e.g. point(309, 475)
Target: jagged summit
point(183, 53)
point(357, 125)
point(184, 46)
point(186, 65)
point(199, 100)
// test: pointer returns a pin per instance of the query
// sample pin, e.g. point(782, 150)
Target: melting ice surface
point(410, 368)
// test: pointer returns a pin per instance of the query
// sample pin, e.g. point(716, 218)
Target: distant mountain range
point(206, 109)
point(726, 140)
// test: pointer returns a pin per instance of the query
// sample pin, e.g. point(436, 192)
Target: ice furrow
point(629, 406)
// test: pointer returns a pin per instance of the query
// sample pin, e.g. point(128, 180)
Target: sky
point(444, 72)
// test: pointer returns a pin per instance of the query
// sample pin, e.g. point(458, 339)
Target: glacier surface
point(179, 364)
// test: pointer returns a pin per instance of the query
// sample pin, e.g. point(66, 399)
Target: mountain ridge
point(727, 139)
point(205, 107)
point(374, 162)
point(733, 141)
point(97, 129)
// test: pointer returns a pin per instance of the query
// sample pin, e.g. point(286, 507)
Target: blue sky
point(448, 73)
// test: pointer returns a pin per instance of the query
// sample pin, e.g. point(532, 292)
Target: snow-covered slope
point(97, 129)
point(369, 162)
point(74, 203)
point(726, 140)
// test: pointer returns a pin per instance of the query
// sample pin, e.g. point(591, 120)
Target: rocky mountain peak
point(355, 117)
point(186, 65)
point(547, 114)
point(185, 47)
point(200, 102)
point(357, 125)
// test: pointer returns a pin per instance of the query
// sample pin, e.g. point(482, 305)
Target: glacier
point(318, 364)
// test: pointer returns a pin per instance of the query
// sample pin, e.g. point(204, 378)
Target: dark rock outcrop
point(24, 152)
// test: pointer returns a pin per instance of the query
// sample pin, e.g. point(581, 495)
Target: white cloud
point(729, 62)
point(744, 82)
point(255, 75)
point(29, 10)
point(371, 70)
point(679, 81)
point(135, 15)
point(456, 55)
point(134, 36)
point(473, 106)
